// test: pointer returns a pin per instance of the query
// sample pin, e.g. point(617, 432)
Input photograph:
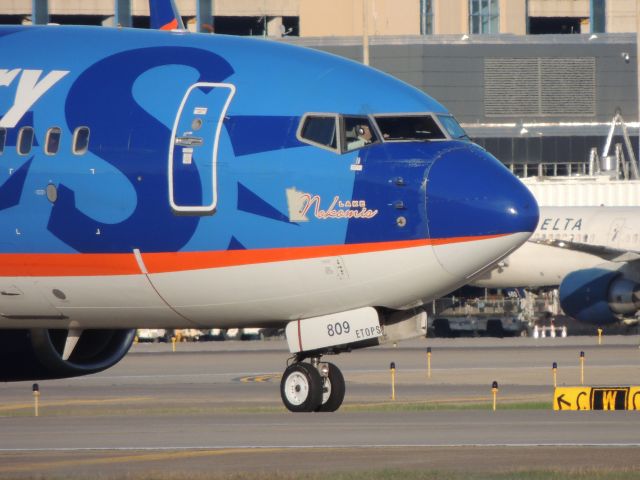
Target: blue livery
point(163, 179)
point(128, 99)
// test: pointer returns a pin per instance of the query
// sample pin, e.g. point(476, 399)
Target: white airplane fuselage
point(539, 264)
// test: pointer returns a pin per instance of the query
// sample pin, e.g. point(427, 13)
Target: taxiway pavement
point(217, 404)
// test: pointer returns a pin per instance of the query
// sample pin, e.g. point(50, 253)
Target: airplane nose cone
point(477, 210)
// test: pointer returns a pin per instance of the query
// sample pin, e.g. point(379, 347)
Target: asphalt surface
point(218, 404)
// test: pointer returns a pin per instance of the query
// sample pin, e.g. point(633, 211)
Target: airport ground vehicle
point(153, 335)
point(474, 325)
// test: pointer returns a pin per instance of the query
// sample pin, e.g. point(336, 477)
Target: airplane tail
point(164, 15)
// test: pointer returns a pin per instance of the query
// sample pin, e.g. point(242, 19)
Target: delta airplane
point(591, 253)
point(165, 179)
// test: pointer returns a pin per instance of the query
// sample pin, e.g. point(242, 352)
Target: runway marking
point(143, 457)
point(236, 375)
point(109, 377)
point(507, 399)
point(250, 448)
point(268, 377)
point(156, 454)
point(65, 403)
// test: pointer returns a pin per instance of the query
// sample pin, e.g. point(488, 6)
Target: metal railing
point(567, 169)
point(617, 166)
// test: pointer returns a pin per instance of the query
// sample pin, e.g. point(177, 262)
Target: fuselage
point(539, 264)
point(183, 180)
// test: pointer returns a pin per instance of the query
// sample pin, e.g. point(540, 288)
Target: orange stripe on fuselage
point(93, 264)
point(67, 264)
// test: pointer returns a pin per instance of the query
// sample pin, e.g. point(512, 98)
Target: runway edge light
point(36, 399)
point(392, 367)
point(494, 391)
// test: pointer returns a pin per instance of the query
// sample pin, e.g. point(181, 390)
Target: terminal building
point(329, 18)
point(536, 82)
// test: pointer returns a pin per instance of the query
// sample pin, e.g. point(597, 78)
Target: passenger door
point(616, 231)
point(193, 152)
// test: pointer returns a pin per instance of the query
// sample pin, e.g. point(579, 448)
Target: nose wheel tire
point(301, 388)
point(333, 390)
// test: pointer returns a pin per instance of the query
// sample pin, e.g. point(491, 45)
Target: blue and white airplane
point(162, 179)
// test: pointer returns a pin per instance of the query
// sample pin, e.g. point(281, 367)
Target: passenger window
point(319, 130)
point(25, 140)
point(358, 133)
point(52, 141)
point(402, 128)
point(81, 140)
point(3, 138)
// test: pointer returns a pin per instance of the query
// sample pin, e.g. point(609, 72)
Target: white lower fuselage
point(270, 293)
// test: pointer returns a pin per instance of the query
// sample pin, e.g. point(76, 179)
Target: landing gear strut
point(312, 387)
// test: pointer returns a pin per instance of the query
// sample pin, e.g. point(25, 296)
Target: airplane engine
point(37, 354)
point(599, 296)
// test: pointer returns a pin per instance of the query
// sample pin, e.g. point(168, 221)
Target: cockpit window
point(453, 128)
point(400, 128)
point(342, 133)
point(320, 130)
point(358, 133)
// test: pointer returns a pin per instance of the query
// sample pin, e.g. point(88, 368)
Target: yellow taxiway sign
point(596, 398)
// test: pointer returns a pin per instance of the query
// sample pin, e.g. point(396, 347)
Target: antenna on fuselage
point(164, 15)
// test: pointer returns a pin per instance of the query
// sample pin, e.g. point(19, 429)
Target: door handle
point(189, 141)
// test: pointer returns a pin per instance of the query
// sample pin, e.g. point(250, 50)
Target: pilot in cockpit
point(363, 137)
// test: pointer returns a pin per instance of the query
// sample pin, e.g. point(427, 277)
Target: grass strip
point(157, 410)
point(387, 474)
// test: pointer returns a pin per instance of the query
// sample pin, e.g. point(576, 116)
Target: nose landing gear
point(312, 387)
